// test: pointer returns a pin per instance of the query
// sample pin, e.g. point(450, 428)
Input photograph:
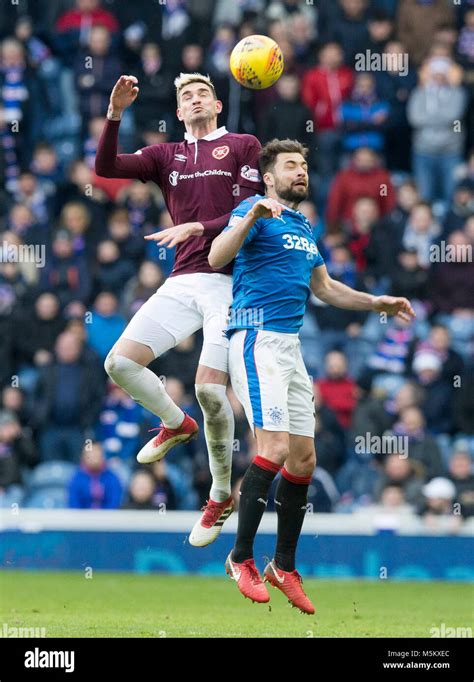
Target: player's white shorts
point(270, 380)
point(181, 306)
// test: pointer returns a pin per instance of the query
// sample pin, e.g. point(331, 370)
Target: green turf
point(126, 605)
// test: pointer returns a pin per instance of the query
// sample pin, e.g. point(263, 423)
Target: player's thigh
point(258, 379)
point(163, 321)
point(213, 302)
point(301, 401)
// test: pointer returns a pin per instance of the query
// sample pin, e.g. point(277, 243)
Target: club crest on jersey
point(174, 175)
point(220, 153)
point(275, 414)
point(251, 174)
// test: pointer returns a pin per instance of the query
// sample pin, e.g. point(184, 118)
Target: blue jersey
point(272, 271)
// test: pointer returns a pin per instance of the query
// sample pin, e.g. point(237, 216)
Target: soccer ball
point(256, 62)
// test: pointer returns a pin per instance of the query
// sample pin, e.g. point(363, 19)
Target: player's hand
point(266, 208)
point(398, 307)
point(177, 234)
point(123, 95)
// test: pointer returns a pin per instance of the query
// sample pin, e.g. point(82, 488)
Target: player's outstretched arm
point(226, 246)
point(109, 164)
point(341, 296)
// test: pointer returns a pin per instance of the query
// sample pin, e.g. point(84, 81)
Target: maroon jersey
point(201, 180)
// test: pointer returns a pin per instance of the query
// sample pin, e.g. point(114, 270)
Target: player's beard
point(291, 194)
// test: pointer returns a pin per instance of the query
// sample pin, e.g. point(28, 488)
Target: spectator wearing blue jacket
point(364, 115)
point(119, 424)
point(106, 324)
point(94, 486)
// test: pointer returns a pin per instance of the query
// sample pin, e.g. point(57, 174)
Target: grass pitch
point(126, 605)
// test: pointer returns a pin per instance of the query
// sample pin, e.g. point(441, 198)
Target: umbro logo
point(180, 157)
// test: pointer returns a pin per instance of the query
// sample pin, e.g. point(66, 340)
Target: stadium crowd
point(382, 93)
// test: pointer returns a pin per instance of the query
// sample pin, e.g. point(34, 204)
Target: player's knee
point(211, 399)
point(110, 364)
point(276, 449)
point(304, 464)
point(117, 367)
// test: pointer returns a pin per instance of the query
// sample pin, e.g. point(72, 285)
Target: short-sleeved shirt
point(272, 271)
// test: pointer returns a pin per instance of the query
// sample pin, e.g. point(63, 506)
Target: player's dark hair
point(270, 151)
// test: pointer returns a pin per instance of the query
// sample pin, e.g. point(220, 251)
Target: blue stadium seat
point(53, 497)
point(54, 473)
point(13, 495)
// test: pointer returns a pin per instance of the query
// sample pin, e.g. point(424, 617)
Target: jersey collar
point(215, 135)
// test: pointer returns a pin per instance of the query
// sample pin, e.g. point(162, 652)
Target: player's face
point(197, 104)
point(290, 177)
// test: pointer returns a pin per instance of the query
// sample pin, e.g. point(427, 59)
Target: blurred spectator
point(106, 324)
point(65, 273)
point(118, 428)
point(38, 329)
point(364, 115)
point(417, 21)
point(67, 400)
point(434, 107)
point(95, 84)
point(17, 450)
point(139, 289)
point(94, 485)
point(131, 246)
point(462, 475)
point(112, 271)
point(437, 407)
point(365, 214)
point(73, 28)
point(338, 390)
point(363, 177)
point(438, 343)
point(141, 491)
point(437, 509)
point(155, 106)
point(14, 401)
point(144, 203)
point(164, 495)
point(329, 436)
point(288, 117)
point(181, 361)
point(421, 232)
point(421, 445)
point(408, 278)
point(394, 85)
point(462, 207)
point(403, 473)
point(348, 27)
point(76, 219)
point(324, 88)
point(453, 280)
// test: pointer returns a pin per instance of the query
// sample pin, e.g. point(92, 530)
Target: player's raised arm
point(226, 246)
point(108, 163)
point(341, 296)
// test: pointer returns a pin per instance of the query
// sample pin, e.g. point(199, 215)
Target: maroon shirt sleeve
point(108, 164)
point(249, 157)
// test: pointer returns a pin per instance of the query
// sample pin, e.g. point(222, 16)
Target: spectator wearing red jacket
point(338, 391)
point(364, 177)
point(324, 88)
point(73, 27)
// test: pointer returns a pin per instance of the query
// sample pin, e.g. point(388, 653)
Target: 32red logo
point(220, 152)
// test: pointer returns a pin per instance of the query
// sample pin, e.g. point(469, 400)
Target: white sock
point(145, 388)
point(219, 433)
